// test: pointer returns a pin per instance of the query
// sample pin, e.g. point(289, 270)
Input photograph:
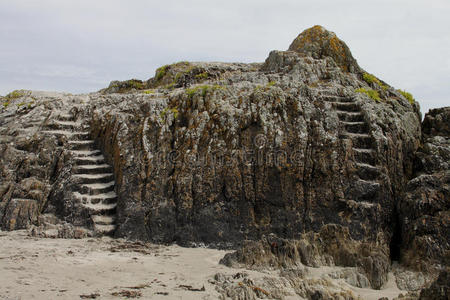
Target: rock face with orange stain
point(319, 43)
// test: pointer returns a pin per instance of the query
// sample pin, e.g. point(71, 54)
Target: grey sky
point(80, 46)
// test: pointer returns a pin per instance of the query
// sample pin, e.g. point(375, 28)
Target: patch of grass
point(191, 92)
point(16, 94)
point(372, 94)
point(407, 95)
point(204, 89)
point(202, 76)
point(161, 72)
point(135, 84)
point(370, 79)
point(5, 104)
point(173, 110)
point(170, 86)
point(271, 83)
point(148, 92)
point(264, 88)
point(257, 88)
point(181, 63)
point(178, 76)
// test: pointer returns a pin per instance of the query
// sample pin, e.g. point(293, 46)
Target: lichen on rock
point(319, 43)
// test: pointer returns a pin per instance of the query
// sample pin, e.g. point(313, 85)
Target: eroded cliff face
point(219, 153)
point(425, 208)
point(283, 147)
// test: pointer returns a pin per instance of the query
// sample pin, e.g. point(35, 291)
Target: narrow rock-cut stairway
point(355, 128)
point(96, 190)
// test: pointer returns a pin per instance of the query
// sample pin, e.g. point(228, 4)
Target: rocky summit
point(303, 160)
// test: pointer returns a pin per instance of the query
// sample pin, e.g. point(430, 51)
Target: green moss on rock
point(372, 94)
point(17, 94)
point(204, 89)
point(408, 96)
point(203, 75)
point(161, 72)
point(167, 110)
point(124, 86)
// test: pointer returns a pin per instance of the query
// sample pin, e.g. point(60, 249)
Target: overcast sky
point(80, 46)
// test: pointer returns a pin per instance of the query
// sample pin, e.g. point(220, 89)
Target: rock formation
point(425, 208)
point(305, 150)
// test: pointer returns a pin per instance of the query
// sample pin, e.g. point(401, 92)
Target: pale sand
point(38, 268)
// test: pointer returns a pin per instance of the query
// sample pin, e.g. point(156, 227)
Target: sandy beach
point(104, 268)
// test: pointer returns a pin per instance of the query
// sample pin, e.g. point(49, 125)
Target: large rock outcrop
point(319, 43)
point(258, 149)
point(221, 153)
point(331, 246)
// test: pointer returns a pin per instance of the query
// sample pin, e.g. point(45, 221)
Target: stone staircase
point(95, 192)
point(366, 187)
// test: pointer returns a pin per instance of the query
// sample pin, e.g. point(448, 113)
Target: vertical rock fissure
point(396, 239)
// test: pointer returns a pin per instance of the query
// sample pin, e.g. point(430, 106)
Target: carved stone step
point(97, 188)
point(101, 208)
point(105, 198)
point(85, 153)
point(363, 190)
point(64, 125)
point(81, 145)
point(356, 127)
point(359, 140)
point(323, 91)
point(350, 116)
point(75, 135)
point(103, 219)
point(104, 229)
point(93, 169)
point(94, 178)
point(89, 160)
point(334, 98)
point(367, 172)
point(65, 117)
point(347, 106)
point(364, 156)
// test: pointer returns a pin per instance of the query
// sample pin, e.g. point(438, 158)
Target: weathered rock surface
point(331, 246)
point(283, 148)
point(289, 283)
point(222, 153)
point(439, 289)
point(320, 43)
point(425, 209)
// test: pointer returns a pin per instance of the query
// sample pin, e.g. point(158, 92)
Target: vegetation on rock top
point(204, 89)
point(372, 94)
point(16, 94)
point(408, 96)
point(371, 79)
point(125, 86)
